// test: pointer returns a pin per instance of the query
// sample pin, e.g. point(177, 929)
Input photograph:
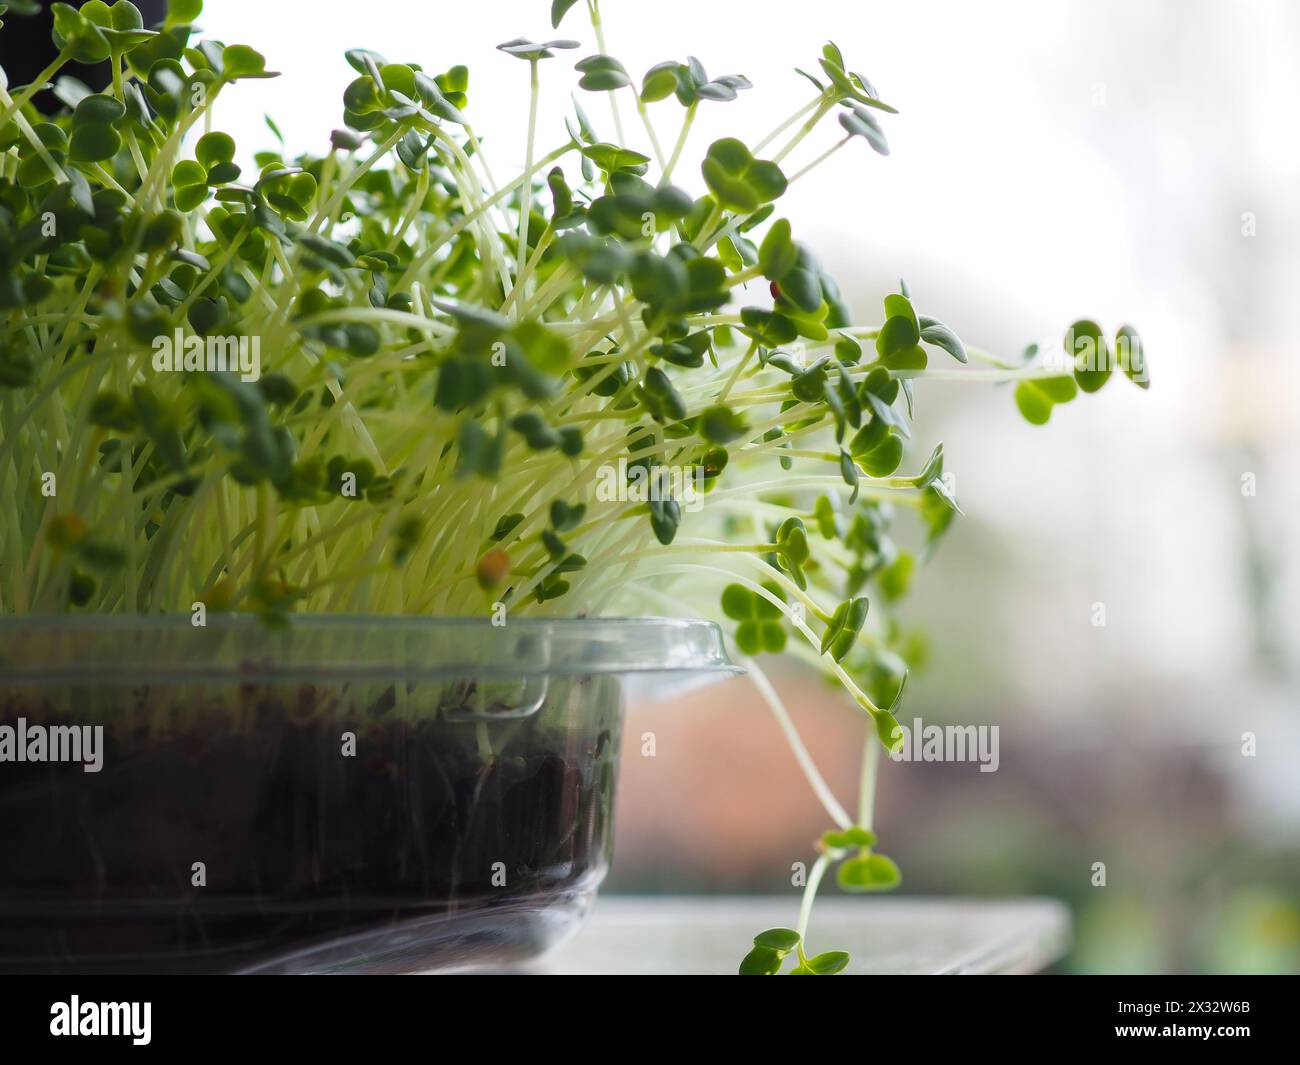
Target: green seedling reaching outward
point(452, 360)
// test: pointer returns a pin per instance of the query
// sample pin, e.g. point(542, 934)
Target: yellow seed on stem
point(492, 568)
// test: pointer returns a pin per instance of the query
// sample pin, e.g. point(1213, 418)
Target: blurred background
point(1052, 159)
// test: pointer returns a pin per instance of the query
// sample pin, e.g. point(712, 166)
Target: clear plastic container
point(348, 794)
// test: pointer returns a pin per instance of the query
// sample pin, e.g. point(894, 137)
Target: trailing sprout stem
point(809, 895)
point(526, 191)
point(811, 105)
point(644, 112)
point(867, 777)
point(819, 112)
point(593, 10)
point(681, 143)
point(816, 781)
point(822, 158)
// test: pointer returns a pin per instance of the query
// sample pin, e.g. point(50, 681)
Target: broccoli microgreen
point(454, 362)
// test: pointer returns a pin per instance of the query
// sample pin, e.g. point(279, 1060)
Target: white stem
point(526, 193)
point(809, 894)
point(867, 781)
point(815, 780)
point(822, 158)
point(600, 47)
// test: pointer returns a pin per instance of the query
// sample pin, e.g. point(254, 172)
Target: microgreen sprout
point(452, 360)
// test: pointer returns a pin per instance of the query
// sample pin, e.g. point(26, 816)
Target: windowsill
point(647, 935)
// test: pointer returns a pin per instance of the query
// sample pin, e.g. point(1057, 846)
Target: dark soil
point(418, 852)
